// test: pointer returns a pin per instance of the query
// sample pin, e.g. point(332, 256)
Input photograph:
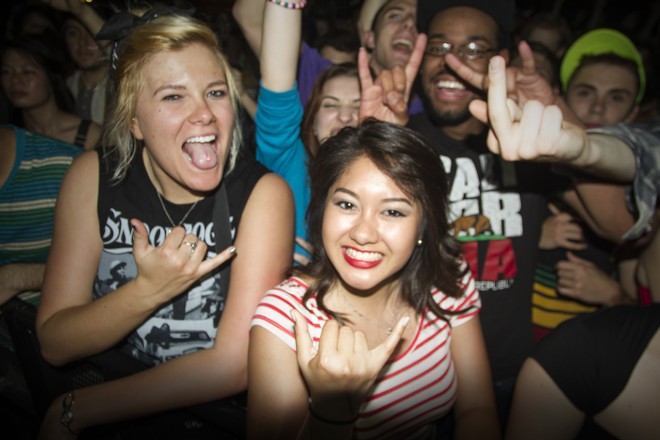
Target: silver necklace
point(378, 324)
point(169, 217)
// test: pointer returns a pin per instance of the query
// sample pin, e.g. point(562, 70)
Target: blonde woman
point(146, 206)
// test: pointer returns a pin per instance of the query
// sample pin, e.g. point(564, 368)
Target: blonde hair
point(162, 34)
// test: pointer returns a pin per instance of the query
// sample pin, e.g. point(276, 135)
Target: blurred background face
point(83, 48)
point(603, 94)
point(24, 82)
point(394, 34)
point(340, 103)
point(35, 24)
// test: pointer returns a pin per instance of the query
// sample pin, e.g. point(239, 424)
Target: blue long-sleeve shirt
point(279, 147)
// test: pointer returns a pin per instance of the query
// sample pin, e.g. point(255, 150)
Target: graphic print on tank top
point(186, 324)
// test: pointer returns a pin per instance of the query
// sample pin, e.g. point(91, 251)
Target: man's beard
point(445, 117)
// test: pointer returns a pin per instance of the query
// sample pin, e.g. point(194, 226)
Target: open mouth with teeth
point(360, 259)
point(403, 45)
point(201, 151)
point(450, 89)
point(450, 85)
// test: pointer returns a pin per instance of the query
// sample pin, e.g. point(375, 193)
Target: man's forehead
point(398, 5)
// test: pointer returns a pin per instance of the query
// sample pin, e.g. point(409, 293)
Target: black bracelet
point(328, 421)
point(66, 419)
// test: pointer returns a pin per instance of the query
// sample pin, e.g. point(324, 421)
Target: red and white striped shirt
point(413, 389)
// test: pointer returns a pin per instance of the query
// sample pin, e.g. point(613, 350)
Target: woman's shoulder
point(469, 297)
point(274, 311)
point(292, 287)
point(289, 294)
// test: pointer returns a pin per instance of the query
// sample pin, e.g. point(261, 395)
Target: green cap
point(599, 42)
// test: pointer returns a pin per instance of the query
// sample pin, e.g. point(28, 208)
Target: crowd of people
point(408, 219)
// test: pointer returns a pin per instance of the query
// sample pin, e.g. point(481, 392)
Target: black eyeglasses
point(473, 50)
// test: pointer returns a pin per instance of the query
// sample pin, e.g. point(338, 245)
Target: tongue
point(203, 156)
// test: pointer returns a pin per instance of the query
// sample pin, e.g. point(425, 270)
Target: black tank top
point(189, 322)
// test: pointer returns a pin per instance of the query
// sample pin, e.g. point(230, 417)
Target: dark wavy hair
point(313, 105)
point(403, 156)
point(45, 50)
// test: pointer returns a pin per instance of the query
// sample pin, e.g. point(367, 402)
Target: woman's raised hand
point(177, 263)
point(342, 371)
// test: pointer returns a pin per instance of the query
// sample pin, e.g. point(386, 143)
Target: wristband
point(288, 5)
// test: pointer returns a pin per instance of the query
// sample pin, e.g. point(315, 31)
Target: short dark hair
point(344, 40)
point(502, 11)
point(403, 156)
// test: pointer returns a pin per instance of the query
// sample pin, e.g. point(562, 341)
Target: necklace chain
point(185, 216)
point(389, 327)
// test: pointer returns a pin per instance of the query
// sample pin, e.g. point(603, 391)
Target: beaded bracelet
point(289, 5)
point(328, 421)
point(66, 419)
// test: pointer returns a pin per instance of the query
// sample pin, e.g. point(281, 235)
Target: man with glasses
point(496, 206)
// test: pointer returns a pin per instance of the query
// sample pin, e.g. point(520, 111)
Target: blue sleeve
point(280, 148)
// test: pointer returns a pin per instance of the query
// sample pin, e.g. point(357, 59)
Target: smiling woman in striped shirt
point(379, 336)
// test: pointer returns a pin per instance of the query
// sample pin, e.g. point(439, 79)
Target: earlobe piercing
point(420, 242)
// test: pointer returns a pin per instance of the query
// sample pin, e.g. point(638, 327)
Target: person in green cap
point(578, 272)
point(603, 78)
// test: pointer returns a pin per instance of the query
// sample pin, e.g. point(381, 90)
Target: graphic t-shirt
point(496, 211)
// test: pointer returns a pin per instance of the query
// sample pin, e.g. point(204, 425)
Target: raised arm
point(81, 10)
point(249, 14)
point(280, 46)
point(539, 132)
